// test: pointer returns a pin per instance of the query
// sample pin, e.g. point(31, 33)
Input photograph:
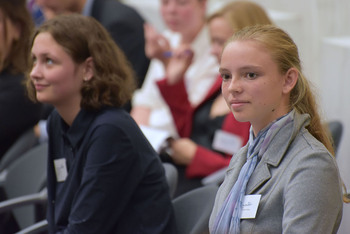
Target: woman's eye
point(34, 60)
point(251, 75)
point(225, 76)
point(49, 61)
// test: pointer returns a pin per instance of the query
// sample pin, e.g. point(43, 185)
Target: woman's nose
point(35, 73)
point(235, 85)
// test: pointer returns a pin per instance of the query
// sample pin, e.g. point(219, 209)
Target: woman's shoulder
point(113, 115)
point(116, 118)
point(306, 149)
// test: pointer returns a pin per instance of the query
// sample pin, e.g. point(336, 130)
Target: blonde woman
point(286, 176)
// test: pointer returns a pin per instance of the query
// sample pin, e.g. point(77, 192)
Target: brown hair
point(285, 53)
point(17, 12)
point(81, 37)
point(240, 14)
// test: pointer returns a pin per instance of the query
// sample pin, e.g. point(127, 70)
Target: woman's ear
point(88, 69)
point(290, 79)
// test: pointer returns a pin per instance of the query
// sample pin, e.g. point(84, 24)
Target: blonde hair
point(285, 53)
point(240, 14)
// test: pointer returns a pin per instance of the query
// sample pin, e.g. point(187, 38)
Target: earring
point(85, 79)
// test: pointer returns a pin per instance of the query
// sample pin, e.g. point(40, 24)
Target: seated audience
point(209, 133)
point(103, 175)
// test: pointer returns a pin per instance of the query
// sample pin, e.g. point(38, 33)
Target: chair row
point(23, 182)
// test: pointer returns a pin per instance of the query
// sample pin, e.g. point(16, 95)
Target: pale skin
point(57, 78)
point(253, 87)
point(52, 8)
point(185, 17)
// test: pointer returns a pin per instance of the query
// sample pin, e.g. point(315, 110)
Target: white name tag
point(250, 206)
point(226, 142)
point(60, 169)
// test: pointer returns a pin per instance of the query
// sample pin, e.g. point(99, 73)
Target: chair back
point(336, 130)
point(193, 209)
point(171, 175)
point(25, 142)
point(26, 175)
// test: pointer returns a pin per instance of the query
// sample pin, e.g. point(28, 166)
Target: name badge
point(60, 169)
point(250, 206)
point(226, 142)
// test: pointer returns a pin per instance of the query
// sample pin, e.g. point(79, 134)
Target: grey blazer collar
point(272, 156)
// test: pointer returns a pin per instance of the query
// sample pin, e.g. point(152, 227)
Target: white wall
point(335, 100)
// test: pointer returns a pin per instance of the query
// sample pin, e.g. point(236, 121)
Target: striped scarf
point(228, 219)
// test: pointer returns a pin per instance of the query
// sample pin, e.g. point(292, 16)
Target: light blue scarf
point(228, 219)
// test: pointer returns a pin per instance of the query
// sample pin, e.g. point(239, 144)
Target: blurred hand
point(183, 151)
point(178, 63)
point(157, 46)
point(37, 131)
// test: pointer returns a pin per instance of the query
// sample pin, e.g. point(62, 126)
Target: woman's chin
point(240, 117)
point(42, 99)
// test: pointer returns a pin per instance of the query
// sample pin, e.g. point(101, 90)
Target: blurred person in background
point(209, 133)
point(18, 113)
point(186, 27)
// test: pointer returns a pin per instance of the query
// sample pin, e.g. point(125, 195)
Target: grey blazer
point(299, 183)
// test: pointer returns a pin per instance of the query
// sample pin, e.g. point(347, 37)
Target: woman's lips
point(40, 87)
point(237, 104)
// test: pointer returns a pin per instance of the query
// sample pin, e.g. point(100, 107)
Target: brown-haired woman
point(103, 175)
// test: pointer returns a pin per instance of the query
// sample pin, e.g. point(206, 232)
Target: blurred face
point(9, 32)
point(252, 85)
point(60, 6)
point(183, 16)
point(56, 77)
point(220, 30)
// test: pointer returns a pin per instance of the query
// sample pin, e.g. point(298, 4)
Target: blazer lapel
point(233, 170)
point(272, 157)
point(259, 177)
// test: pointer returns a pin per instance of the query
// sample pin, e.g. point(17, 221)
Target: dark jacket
point(17, 112)
point(126, 28)
point(115, 182)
